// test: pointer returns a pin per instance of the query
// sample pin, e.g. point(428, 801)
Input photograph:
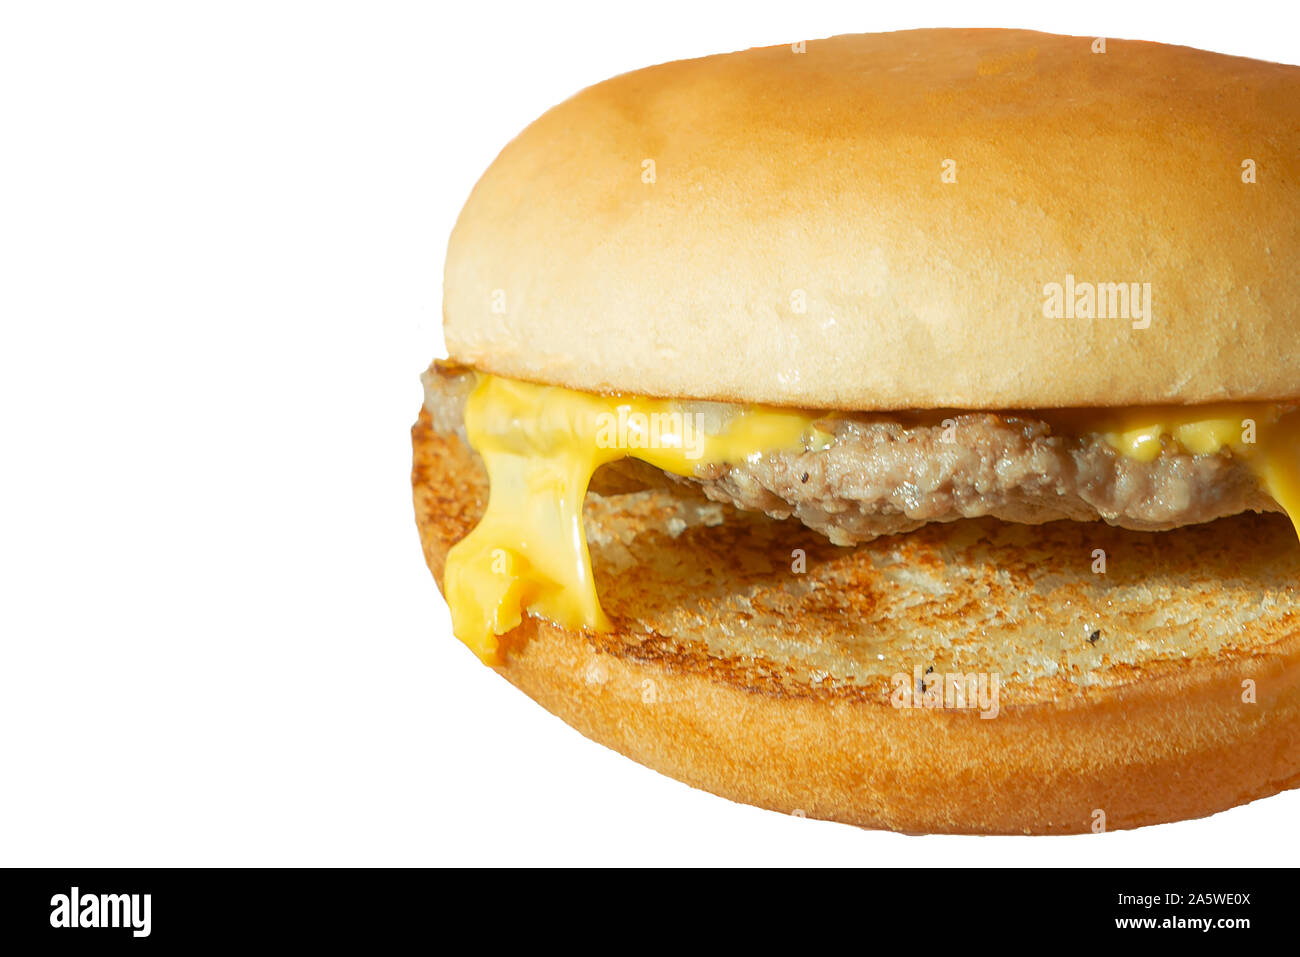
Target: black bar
point(937, 906)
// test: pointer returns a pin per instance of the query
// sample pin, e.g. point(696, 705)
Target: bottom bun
point(1140, 677)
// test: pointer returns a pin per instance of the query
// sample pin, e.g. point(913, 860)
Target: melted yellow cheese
point(541, 445)
point(1141, 433)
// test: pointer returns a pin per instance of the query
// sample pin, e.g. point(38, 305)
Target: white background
point(221, 236)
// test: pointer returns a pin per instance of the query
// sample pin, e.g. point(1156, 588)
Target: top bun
point(779, 226)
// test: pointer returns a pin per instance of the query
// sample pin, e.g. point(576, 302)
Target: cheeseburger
point(897, 429)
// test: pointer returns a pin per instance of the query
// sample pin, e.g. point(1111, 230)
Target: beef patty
point(885, 474)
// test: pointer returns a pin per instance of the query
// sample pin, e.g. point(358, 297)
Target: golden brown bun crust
point(818, 174)
point(729, 672)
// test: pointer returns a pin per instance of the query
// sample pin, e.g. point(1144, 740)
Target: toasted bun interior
point(873, 222)
point(753, 659)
